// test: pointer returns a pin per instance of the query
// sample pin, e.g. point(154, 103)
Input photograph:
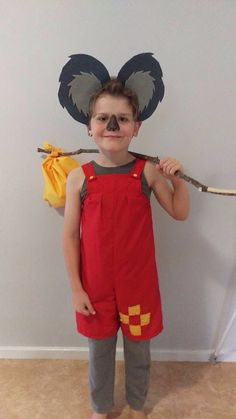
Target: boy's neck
point(108, 160)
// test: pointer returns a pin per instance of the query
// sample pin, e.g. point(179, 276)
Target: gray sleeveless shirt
point(125, 168)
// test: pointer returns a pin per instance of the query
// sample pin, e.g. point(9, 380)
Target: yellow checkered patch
point(135, 330)
point(124, 318)
point(144, 319)
point(134, 310)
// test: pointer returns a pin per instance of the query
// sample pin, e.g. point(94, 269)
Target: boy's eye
point(123, 119)
point(105, 118)
point(101, 118)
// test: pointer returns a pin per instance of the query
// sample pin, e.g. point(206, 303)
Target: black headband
point(83, 74)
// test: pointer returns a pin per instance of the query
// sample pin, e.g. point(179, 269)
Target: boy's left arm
point(170, 191)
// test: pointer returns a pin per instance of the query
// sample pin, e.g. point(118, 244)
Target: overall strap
point(137, 168)
point(89, 171)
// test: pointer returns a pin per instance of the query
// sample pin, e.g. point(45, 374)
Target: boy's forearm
point(180, 199)
point(71, 247)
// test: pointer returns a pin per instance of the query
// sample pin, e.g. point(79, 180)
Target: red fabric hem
point(137, 338)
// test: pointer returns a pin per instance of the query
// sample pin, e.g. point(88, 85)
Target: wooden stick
point(200, 186)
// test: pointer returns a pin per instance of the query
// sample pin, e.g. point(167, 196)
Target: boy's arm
point(71, 241)
point(170, 191)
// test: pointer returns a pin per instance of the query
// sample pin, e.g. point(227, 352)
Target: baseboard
point(81, 353)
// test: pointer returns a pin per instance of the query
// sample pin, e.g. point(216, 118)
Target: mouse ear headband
point(83, 74)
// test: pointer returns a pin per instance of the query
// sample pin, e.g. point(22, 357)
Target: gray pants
point(102, 354)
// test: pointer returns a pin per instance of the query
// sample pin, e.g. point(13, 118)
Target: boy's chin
point(112, 148)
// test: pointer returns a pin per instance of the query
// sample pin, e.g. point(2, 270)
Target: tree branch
point(200, 186)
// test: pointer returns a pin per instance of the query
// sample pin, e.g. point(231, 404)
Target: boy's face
point(112, 124)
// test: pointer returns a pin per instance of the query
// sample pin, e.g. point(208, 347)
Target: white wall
point(195, 44)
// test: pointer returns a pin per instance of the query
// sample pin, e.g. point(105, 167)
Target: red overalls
point(117, 263)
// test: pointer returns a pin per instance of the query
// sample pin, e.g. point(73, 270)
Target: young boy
point(109, 247)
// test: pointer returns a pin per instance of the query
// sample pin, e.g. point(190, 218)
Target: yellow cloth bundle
point(55, 171)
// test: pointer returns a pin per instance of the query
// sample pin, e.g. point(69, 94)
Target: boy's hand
point(82, 304)
point(168, 166)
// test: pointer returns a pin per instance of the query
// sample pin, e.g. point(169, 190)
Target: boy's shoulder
point(75, 173)
point(75, 178)
point(150, 172)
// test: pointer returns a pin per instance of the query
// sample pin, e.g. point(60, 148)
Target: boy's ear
point(89, 130)
point(137, 127)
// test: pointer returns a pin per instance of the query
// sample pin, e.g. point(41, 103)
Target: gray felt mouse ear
point(80, 78)
point(143, 75)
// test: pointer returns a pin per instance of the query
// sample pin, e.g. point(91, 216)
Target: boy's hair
point(115, 87)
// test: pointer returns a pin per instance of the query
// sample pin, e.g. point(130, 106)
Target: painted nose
point(112, 124)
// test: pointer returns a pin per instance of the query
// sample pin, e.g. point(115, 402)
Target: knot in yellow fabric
point(55, 170)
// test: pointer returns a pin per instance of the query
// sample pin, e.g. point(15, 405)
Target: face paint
point(112, 124)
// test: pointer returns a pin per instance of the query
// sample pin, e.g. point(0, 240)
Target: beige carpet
point(58, 389)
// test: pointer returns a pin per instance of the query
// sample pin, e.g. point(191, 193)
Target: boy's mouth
point(112, 136)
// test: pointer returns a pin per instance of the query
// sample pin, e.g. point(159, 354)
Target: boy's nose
point(112, 124)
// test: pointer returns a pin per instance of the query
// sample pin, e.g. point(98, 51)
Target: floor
point(58, 389)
